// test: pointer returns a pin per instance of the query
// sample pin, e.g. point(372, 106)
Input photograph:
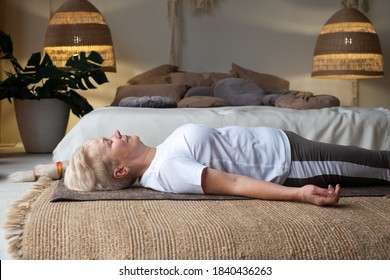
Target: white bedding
point(368, 128)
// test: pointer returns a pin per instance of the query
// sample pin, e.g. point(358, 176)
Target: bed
point(368, 128)
point(169, 226)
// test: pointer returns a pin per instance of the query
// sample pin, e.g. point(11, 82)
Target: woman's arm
point(217, 182)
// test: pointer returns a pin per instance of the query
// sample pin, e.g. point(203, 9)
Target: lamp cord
point(364, 7)
point(51, 9)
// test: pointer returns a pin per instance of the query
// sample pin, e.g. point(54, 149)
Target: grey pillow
point(148, 101)
point(239, 92)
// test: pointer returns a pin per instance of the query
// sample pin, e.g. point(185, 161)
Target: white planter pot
point(42, 123)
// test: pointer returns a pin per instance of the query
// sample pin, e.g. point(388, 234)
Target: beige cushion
point(157, 75)
point(202, 102)
point(265, 81)
point(199, 91)
point(215, 77)
point(314, 102)
point(176, 92)
point(190, 79)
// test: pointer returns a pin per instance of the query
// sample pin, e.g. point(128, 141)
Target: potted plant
point(40, 90)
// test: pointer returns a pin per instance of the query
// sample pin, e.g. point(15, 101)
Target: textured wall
point(276, 37)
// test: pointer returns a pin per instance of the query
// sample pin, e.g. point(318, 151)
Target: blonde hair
point(90, 170)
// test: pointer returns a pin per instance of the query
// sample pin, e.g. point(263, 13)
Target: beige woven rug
point(358, 228)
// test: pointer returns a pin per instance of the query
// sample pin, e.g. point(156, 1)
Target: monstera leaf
point(40, 78)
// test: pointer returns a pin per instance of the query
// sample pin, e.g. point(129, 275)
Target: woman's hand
point(218, 182)
point(320, 196)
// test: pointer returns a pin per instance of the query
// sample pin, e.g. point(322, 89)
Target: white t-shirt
point(259, 152)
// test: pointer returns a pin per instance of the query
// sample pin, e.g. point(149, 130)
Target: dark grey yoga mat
point(62, 193)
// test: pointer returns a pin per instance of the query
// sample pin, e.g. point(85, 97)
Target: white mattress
point(364, 127)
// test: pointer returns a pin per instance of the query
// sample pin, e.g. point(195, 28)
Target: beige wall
point(276, 37)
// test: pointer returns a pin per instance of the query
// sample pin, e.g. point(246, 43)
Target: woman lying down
point(256, 162)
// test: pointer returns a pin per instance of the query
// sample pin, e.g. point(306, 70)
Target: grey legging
point(323, 164)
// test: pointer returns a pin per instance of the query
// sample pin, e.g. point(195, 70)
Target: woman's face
point(121, 148)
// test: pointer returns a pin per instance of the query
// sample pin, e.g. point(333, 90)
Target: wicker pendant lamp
point(348, 48)
point(75, 27)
